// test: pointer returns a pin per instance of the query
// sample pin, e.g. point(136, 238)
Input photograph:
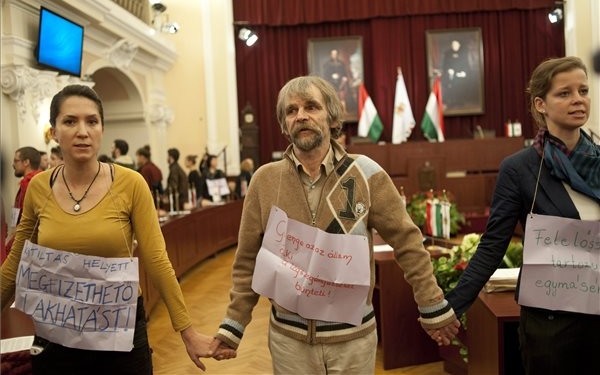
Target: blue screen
point(60, 43)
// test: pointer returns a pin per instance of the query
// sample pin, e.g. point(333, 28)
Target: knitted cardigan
point(372, 202)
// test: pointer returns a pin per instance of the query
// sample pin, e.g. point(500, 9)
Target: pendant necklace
point(77, 206)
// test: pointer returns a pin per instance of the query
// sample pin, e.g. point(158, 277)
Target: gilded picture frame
point(340, 62)
point(456, 56)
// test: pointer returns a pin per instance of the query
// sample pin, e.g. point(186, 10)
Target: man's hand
point(221, 351)
point(444, 335)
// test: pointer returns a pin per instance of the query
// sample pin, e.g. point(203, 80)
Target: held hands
point(444, 335)
point(221, 351)
point(197, 345)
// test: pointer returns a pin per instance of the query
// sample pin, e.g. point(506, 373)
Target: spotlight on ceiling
point(248, 36)
point(160, 20)
point(556, 15)
point(159, 7)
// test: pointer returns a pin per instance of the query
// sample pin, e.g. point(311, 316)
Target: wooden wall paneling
point(428, 172)
point(379, 153)
point(467, 191)
point(456, 162)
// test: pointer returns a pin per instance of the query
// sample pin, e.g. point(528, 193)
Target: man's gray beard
point(308, 144)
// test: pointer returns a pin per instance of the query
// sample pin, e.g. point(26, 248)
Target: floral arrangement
point(417, 206)
point(448, 269)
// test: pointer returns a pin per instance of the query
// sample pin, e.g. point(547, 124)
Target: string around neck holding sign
point(77, 205)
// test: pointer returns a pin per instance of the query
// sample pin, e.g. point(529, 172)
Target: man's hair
point(122, 146)
point(174, 153)
point(31, 154)
point(299, 86)
point(56, 151)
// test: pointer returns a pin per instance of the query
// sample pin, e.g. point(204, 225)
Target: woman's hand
point(197, 345)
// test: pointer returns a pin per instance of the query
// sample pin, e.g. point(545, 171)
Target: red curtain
point(516, 37)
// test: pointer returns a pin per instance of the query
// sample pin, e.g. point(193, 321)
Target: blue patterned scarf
point(580, 168)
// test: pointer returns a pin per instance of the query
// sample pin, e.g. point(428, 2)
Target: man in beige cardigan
point(321, 186)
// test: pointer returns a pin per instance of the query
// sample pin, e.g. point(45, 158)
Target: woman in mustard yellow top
point(93, 208)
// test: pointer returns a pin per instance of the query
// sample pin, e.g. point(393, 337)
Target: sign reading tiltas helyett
point(79, 301)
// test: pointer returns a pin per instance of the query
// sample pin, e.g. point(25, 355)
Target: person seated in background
point(119, 151)
point(149, 171)
point(56, 158)
point(218, 189)
point(177, 182)
point(243, 180)
point(194, 178)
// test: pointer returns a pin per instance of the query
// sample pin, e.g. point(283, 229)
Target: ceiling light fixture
point(555, 15)
point(248, 36)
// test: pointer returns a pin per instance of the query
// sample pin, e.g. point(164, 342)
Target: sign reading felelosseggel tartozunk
point(561, 264)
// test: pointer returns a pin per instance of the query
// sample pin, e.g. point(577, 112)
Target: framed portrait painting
point(456, 56)
point(340, 62)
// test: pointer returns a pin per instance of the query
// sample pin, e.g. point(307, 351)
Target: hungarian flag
point(404, 121)
point(433, 218)
point(433, 119)
point(369, 123)
point(437, 218)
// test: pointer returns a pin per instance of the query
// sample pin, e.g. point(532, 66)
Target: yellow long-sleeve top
point(106, 230)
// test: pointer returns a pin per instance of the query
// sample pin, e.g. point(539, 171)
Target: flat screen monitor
point(60, 43)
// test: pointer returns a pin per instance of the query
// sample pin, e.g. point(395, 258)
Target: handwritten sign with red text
point(316, 274)
point(561, 264)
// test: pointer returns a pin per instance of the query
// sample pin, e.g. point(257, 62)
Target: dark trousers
point(557, 343)
point(56, 359)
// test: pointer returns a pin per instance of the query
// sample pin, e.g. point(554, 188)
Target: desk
point(492, 337)
point(15, 324)
point(403, 341)
point(192, 238)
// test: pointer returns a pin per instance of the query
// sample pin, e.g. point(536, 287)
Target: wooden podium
point(492, 336)
point(403, 341)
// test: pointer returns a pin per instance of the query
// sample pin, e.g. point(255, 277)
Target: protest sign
point(316, 274)
point(561, 260)
point(76, 300)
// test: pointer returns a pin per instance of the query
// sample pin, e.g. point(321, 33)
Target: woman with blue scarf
point(558, 176)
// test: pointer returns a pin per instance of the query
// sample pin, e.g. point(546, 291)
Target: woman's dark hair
point(209, 160)
point(74, 90)
point(144, 151)
point(192, 159)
